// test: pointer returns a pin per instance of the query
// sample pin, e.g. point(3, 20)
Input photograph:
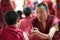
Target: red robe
point(12, 33)
point(50, 6)
point(1, 17)
point(26, 25)
point(30, 4)
point(5, 7)
point(1, 34)
point(51, 21)
point(57, 34)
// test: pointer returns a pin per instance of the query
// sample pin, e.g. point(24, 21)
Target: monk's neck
point(44, 24)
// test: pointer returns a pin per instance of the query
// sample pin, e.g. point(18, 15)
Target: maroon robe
point(50, 6)
point(57, 34)
point(26, 25)
point(1, 20)
point(12, 33)
point(51, 21)
point(1, 34)
point(1, 17)
point(30, 4)
point(5, 6)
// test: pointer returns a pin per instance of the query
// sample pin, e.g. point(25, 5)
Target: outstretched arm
point(46, 36)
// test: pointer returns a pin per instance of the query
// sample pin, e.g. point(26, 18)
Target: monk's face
point(41, 14)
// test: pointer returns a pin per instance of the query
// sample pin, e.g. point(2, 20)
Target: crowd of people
point(37, 21)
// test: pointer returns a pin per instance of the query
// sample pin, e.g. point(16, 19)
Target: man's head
point(42, 11)
point(11, 18)
point(20, 14)
point(27, 11)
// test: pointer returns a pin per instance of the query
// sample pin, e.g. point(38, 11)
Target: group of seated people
point(29, 26)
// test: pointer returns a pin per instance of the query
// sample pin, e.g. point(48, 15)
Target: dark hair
point(20, 14)
point(44, 5)
point(59, 25)
point(11, 17)
point(27, 11)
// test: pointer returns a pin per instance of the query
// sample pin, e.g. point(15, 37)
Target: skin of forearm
point(11, 3)
point(43, 36)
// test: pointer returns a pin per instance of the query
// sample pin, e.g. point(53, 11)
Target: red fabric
point(58, 14)
point(1, 34)
point(30, 4)
point(58, 8)
point(50, 6)
point(12, 33)
point(33, 15)
point(26, 25)
point(49, 23)
point(57, 34)
point(1, 17)
point(5, 6)
point(46, 0)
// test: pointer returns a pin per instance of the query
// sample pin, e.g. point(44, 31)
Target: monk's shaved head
point(43, 6)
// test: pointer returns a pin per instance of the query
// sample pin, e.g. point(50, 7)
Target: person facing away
point(11, 30)
point(28, 3)
point(26, 23)
point(44, 25)
point(20, 14)
point(6, 5)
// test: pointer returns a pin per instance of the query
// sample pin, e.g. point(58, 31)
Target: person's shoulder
point(22, 20)
point(54, 19)
point(52, 16)
point(15, 33)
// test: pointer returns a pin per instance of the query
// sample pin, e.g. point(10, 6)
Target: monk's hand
point(34, 31)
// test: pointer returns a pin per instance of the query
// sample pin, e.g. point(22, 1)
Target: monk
point(50, 7)
point(44, 25)
point(26, 23)
point(28, 3)
point(20, 13)
point(11, 31)
point(7, 5)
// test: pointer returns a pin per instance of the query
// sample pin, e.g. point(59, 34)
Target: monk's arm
point(25, 3)
point(50, 34)
point(11, 3)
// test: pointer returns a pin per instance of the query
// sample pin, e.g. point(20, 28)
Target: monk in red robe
point(50, 6)
point(26, 24)
point(6, 5)
point(11, 31)
point(28, 3)
point(20, 14)
point(44, 25)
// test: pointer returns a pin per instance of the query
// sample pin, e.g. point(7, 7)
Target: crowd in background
point(36, 21)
